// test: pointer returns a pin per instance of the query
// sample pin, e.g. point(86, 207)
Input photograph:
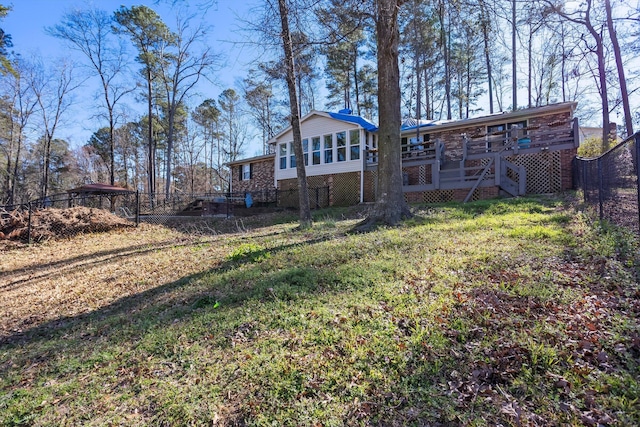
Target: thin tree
point(5, 44)
point(23, 104)
point(90, 32)
point(584, 17)
point(624, 93)
point(207, 116)
point(150, 35)
point(180, 73)
point(287, 44)
point(234, 129)
point(342, 50)
point(51, 88)
point(485, 26)
point(514, 68)
point(259, 96)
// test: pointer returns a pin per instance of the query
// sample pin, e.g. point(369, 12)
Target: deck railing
point(556, 136)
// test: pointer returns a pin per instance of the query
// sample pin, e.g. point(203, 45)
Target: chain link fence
point(609, 183)
point(64, 215)
point(61, 215)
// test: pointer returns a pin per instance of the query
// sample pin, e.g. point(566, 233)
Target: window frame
point(316, 151)
point(341, 146)
point(246, 172)
point(292, 156)
point(282, 155)
point(327, 148)
point(355, 146)
point(305, 150)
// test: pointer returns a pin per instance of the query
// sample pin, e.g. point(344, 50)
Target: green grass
point(512, 312)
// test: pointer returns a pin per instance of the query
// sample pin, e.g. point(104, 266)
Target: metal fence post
point(584, 181)
point(600, 188)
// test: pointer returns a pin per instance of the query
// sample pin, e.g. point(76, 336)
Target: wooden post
point(522, 181)
point(576, 133)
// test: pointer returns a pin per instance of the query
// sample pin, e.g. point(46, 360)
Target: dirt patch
point(53, 223)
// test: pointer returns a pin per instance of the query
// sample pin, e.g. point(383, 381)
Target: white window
point(341, 143)
point(246, 172)
point(282, 153)
point(328, 148)
point(315, 150)
point(305, 150)
point(354, 144)
point(292, 155)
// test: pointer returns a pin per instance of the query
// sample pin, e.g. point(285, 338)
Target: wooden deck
point(482, 159)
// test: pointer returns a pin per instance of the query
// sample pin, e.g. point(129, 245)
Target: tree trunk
point(303, 191)
point(355, 79)
point(390, 207)
point(564, 64)
point(167, 188)
point(9, 168)
point(624, 94)
point(152, 168)
point(14, 175)
point(487, 55)
point(530, 68)
point(427, 98)
point(602, 77)
point(45, 167)
point(514, 68)
point(444, 41)
point(112, 150)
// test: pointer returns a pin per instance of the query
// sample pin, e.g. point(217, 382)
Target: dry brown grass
point(62, 278)
point(52, 223)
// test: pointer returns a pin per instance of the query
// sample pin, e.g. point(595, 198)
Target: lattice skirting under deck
point(544, 171)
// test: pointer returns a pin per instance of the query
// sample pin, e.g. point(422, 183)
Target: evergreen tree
point(150, 36)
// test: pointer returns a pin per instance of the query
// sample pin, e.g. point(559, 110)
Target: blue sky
point(27, 20)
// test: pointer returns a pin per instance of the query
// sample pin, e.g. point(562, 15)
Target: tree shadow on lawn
point(159, 307)
point(44, 270)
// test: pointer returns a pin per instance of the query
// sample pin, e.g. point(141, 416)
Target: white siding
point(318, 126)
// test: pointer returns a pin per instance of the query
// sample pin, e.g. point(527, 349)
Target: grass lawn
point(510, 312)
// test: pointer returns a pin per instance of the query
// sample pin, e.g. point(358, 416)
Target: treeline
point(456, 58)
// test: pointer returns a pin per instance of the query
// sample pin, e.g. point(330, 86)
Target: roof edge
point(251, 159)
point(545, 109)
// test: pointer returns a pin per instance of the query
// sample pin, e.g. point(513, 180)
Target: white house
point(334, 144)
point(528, 151)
